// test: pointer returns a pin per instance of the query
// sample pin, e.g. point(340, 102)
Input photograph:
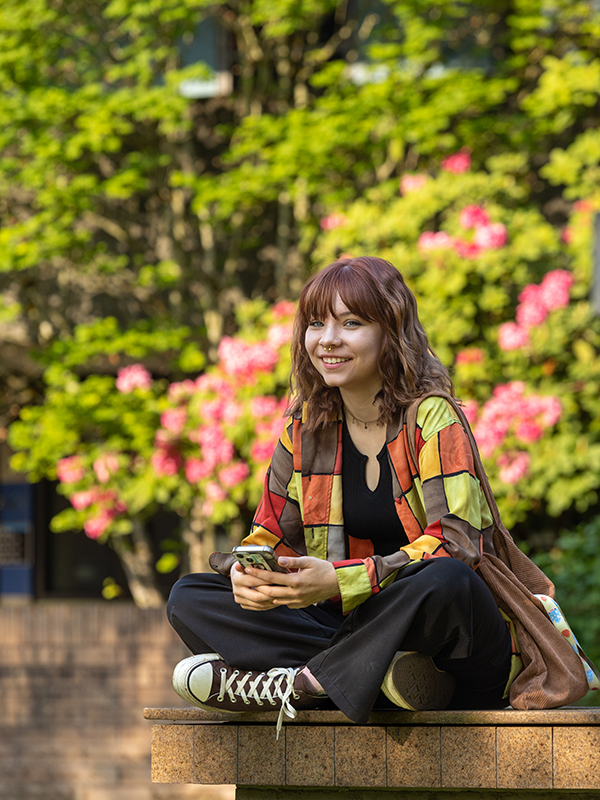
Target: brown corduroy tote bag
point(552, 673)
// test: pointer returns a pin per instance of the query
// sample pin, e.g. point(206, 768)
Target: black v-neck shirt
point(369, 514)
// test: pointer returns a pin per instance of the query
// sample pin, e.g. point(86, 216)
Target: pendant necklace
point(363, 422)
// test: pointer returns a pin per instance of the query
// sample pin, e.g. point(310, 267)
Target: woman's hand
point(312, 581)
point(244, 585)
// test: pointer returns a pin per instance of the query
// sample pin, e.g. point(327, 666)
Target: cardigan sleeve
point(445, 499)
point(278, 519)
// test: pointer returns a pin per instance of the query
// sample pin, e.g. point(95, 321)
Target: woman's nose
point(329, 336)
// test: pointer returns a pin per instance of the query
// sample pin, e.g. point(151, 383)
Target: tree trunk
point(135, 554)
point(199, 536)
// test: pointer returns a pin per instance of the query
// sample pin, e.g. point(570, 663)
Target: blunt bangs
point(354, 285)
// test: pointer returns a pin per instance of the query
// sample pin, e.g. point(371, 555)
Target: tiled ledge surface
point(557, 749)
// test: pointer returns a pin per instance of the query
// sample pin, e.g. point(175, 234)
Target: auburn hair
point(374, 290)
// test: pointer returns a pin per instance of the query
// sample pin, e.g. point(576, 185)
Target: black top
point(369, 514)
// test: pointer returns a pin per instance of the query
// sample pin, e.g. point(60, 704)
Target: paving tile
point(309, 757)
point(261, 757)
point(469, 758)
point(215, 753)
point(172, 753)
point(576, 758)
point(413, 757)
point(524, 758)
point(360, 756)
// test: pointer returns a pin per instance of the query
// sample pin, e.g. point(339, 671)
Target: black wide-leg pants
point(440, 607)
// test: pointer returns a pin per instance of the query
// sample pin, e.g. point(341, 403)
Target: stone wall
point(74, 678)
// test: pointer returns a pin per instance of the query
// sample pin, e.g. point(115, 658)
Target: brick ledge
point(569, 715)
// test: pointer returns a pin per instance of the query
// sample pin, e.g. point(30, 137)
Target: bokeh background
point(171, 172)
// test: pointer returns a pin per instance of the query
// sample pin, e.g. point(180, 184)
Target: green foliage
point(135, 221)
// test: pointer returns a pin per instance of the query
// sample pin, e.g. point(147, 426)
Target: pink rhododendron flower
point(174, 419)
point(492, 236)
point(95, 526)
point(471, 355)
point(234, 474)
point(81, 500)
point(133, 377)
point(435, 241)
point(550, 409)
point(216, 449)
point(555, 289)
point(278, 335)
point(262, 451)
point(106, 465)
point(467, 249)
point(264, 406)
point(243, 359)
point(512, 336)
point(490, 433)
point(566, 235)
point(471, 409)
point(532, 293)
point(412, 183)
point(528, 431)
point(457, 162)
point(529, 315)
point(70, 469)
point(513, 468)
point(282, 309)
point(181, 390)
point(332, 222)
point(215, 493)
point(196, 469)
point(216, 384)
point(582, 206)
point(166, 461)
point(473, 217)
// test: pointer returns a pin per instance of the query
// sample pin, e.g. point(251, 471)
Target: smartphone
point(258, 556)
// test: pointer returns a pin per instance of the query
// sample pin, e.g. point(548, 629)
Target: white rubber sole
point(183, 680)
point(414, 683)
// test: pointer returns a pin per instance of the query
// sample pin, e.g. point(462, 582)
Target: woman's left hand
point(315, 580)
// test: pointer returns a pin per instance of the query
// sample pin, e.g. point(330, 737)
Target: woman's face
point(344, 349)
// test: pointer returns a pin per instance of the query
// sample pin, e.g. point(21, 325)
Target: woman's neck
point(361, 410)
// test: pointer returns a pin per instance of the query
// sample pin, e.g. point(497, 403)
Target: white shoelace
point(278, 685)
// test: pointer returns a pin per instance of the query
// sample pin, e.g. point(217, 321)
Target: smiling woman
point(380, 526)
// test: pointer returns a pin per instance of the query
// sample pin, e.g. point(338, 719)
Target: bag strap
point(411, 432)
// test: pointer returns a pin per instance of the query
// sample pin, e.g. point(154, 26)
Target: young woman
point(382, 604)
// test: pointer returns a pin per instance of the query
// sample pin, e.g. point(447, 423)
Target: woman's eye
point(315, 323)
point(352, 323)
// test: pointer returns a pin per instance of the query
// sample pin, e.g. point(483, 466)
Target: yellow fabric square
point(336, 512)
point(462, 494)
point(316, 541)
point(355, 586)
point(429, 460)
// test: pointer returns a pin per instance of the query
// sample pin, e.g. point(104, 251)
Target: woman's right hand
point(244, 591)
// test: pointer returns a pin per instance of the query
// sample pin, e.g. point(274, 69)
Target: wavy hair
point(375, 290)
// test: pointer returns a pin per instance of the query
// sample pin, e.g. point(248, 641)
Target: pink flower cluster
point(488, 235)
point(243, 359)
point(106, 465)
point(412, 183)
point(70, 469)
point(333, 221)
point(457, 163)
point(508, 411)
point(535, 302)
point(513, 466)
point(470, 355)
point(108, 507)
point(133, 377)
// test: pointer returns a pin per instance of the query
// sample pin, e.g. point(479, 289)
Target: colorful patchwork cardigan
point(444, 511)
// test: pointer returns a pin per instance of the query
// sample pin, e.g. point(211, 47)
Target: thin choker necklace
point(363, 422)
